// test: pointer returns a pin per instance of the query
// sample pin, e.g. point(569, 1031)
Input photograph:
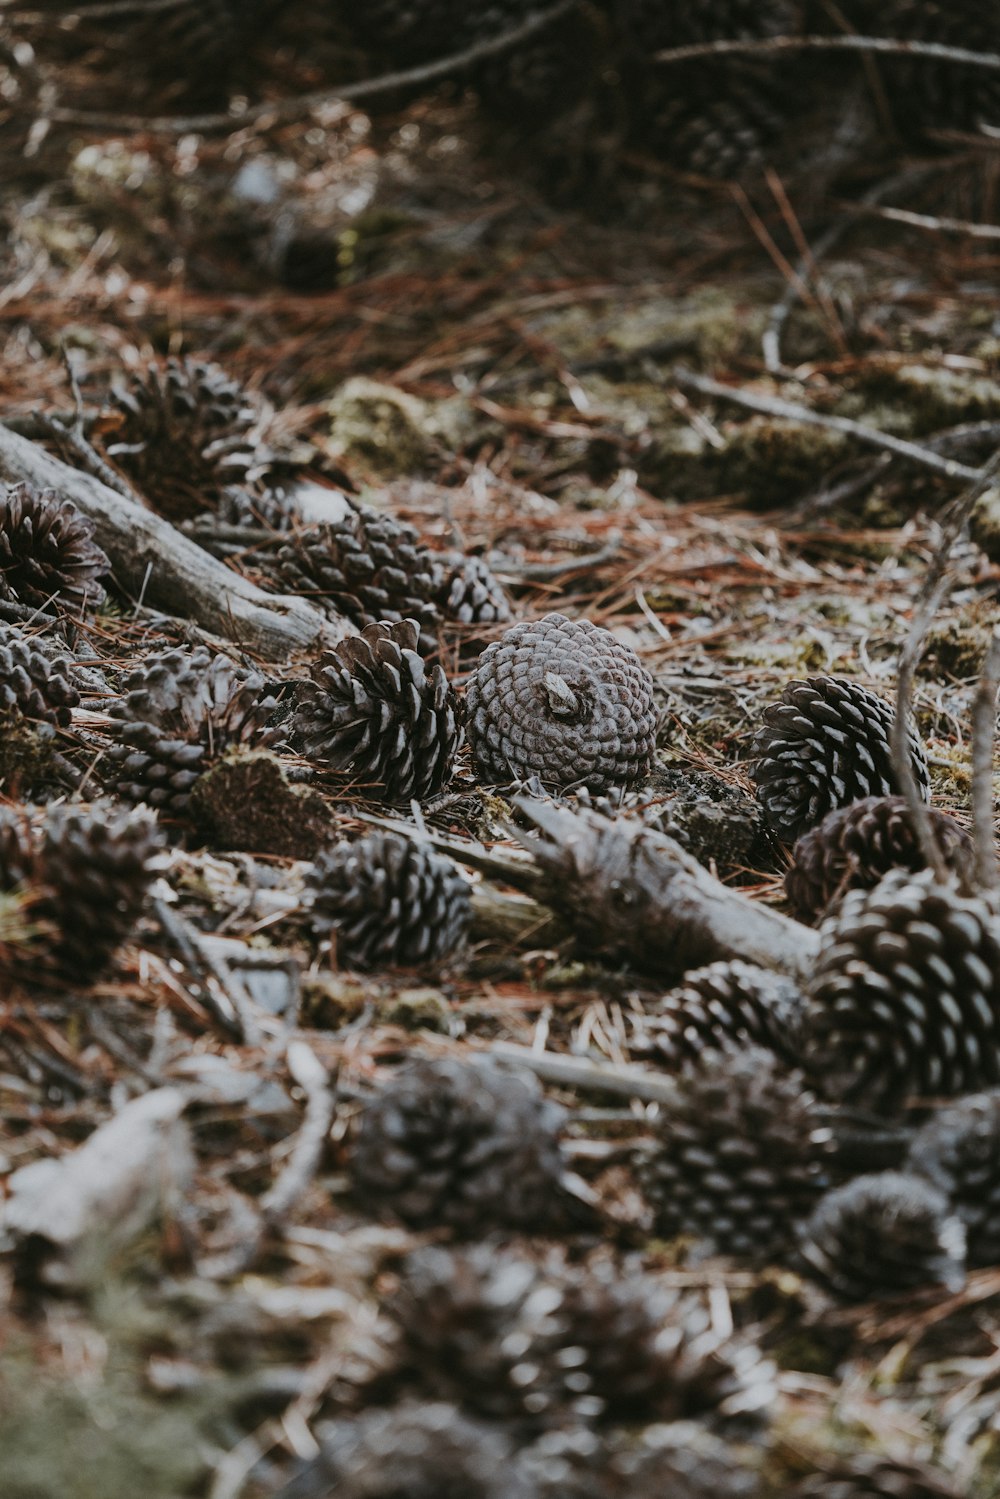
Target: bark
point(152, 560)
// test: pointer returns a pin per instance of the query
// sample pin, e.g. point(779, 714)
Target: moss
point(247, 803)
point(417, 1010)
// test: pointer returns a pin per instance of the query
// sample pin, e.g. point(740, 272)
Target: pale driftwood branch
point(592, 1077)
point(153, 560)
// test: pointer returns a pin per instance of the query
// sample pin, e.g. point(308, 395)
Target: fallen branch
point(890, 46)
point(153, 560)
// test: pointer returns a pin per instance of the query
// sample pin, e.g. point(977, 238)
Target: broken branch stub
point(151, 559)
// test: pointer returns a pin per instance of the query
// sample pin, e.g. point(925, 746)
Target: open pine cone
point(853, 847)
point(376, 711)
point(958, 1150)
point(185, 432)
point(725, 1006)
point(32, 684)
point(48, 557)
point(825, 745)
point(740, 1158)
point(464, 1146)
point(882, 1235)
point(902, 997)
point(562, 700)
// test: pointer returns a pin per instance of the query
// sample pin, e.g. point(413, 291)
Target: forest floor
point(517, 376)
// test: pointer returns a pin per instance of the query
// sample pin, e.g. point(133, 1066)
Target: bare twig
point(311, 1077)
point(927, 221)
point(984, 726)
point(593, 1077)
point(280, 111)
point(870, 436)
point(891, 46)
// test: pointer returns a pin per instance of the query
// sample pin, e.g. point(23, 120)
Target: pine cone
point(853, 847)
point(48, 557)
point(411, 1451)
point(386, 902)
point(706, 130)
point(257, 509)
point(31, 684)
point(368, 566)
point(186, 432)
point(463, 1146)
point(883, 1235)
point(901, 999)
point(928, 95)
point(867, 1476)
point(91, 868)
point(682, 1460)
point(469, 593)
point(540, 1342)
point(726, 1006)
point(823, 746)
point(183, 711)
point(376, 711)
point(562, 700)
point(958, 1150)
point(740, 1158)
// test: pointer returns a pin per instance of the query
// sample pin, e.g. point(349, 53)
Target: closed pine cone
point(725, 1006)
point(562, 700)
point(377, 711)
point(740, 1157)
point(467, 1147)
point(958, 1150)
point(384, 902)
point(48, 557)
point(853, 847)
point(185, 433)
point(824, 745)
point(882, 1235)
point(31, 684)
point(369, 567)
point(902, 997)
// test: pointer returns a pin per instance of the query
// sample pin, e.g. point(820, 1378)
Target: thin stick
point(933, 590)
point(307, 1152)
point(927, 221)
point(281, 111)
point(593, 1077)
point(984, 725)
point(870, 436)
point(891, 46)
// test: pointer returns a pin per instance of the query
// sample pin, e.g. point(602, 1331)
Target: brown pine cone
point(725, 1006)
point(377, 711)
point(824, 746)
point(741, 1157)
point(853, 847)
point(562, 700)
point(958, 1149)
point(463, 1146)
point(883, 1235)
point(902, 997)
point(386, 902)
point(31, 684)
point(369, 567)
point(185, 433)
point(48, 557)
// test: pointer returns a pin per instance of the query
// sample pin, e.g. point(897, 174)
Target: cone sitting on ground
point(385, 902)
point(882, 1235)
point(724, 1006)
point(825, 745)
point(902, 997)
point(853, 847)
point(32, 684)
point(958, 1149)
point(185, 433)
point(468, 1147)
point(469, 593)
point(48, 557)
point(562, 700)
point(740, 1158)
point(375, 711)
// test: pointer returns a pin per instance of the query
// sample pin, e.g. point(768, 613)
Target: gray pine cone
point(376, 711)
point(882, 1235)
point(31, 684)
point(368, 566)
point(902, 997)
point(853, 847)
point(959, 1151)
point(186, 432)
point(48, 557)
point(824, 746)
point(741, 1157)
point(386, 902)
point(562, 700)
point(468, 1147)
point(725, 1006)
point(469, 593)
